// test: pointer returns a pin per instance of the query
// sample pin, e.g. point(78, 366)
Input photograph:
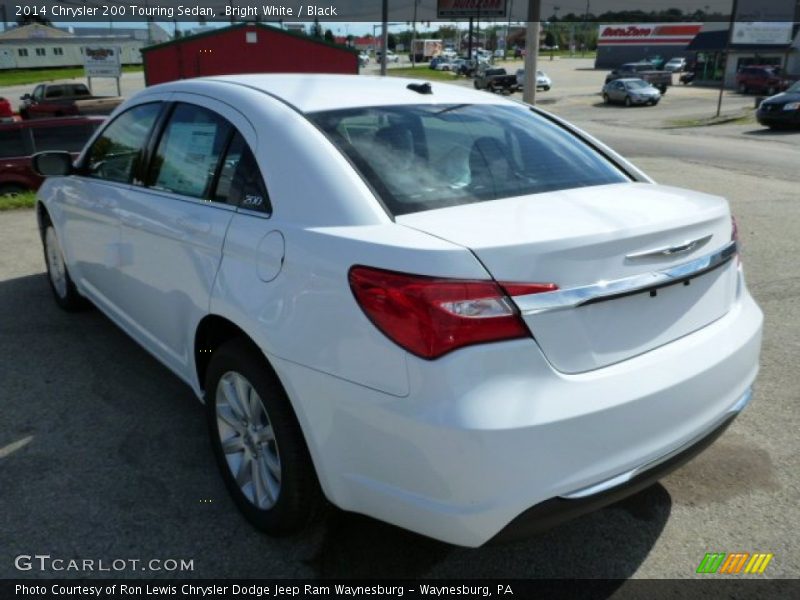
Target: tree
point(316, 29)
point(392, 41)
point(329, 36)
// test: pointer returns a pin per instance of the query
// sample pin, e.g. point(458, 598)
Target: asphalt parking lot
point(104, 453)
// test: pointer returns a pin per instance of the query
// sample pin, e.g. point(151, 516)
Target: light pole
point(414, 36)
point(532, 50)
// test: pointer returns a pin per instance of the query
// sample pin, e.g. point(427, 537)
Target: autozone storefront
point(631, 42)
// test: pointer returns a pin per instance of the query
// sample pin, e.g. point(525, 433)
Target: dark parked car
point(782, 110)
point(763, 79)
point(61, 100)
point(19, 140)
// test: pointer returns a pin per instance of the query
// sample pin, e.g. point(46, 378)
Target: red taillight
point(429, 316)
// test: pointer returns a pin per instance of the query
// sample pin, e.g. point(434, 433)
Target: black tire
point(771, 91)
point(662, 89)
point(24, 114)
point(628, 101)
point(547, 88)
point(64, 291)
point(606, 99)
point(299, 497)
point(11, 189)
point(475, 83)
point(742, 88)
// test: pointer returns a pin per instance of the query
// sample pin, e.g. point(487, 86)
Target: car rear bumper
point(554, 511)
point(488, 432)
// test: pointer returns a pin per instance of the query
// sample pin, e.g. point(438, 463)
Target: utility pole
point(414, 36)
point(731, 23)
point(508, 27)
point(585, 36)
point(384, 35)
point(532, 50)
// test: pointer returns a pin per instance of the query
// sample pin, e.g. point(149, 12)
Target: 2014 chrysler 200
point(434, 306)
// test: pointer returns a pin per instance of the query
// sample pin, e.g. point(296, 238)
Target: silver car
point(630, 91)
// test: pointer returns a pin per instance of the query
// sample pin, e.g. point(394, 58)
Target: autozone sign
point(648, 33)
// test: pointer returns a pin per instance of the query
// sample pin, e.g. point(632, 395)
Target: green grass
point(26, 200)
point(746, 118)
point(422, 72)
point(25, 76)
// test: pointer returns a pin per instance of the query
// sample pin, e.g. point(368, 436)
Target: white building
point(37, 46)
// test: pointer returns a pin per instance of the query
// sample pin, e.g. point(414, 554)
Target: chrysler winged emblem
point(667, 251)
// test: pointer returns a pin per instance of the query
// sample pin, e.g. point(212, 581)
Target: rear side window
point(189, 151)
point(240, 182)
point(12, 143)
point(427, 157)
point(70, 138)
point(117, 153)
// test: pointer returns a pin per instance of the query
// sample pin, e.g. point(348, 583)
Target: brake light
point(430, 316)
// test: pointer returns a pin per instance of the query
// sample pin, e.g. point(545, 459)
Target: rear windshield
point(426, 157)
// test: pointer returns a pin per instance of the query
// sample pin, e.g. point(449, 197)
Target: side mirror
point(25, 97)
point(52, 164)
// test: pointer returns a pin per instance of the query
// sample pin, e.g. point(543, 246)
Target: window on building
point(40, 52)
point(22, 52)
point(58, 51)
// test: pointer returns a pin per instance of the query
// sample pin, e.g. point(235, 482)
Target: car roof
point(321, 92)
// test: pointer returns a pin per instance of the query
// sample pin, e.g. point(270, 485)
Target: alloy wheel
point(248, 440)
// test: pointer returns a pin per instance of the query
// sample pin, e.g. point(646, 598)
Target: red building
point(245, 48)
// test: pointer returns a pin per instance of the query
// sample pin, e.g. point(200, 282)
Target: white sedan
point(430, 305)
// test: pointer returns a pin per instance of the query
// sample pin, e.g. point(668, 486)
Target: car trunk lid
point(592, 239)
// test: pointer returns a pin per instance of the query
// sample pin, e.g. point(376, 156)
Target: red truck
point(65, 99)
point(21, 139)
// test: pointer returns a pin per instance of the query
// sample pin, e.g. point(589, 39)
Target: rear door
point(174, 226)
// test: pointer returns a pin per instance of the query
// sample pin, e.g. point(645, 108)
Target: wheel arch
point(213, 331)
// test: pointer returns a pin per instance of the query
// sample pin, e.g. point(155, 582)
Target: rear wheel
point(742, 88)
point(628, 101)
point(258, 443)
point(606, 99)
point(771, 91)
point(64, 291)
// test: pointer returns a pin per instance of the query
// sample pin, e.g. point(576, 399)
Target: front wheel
point(258, 443)
point(606, 99)
point(628, 101)
point(742, 88)
point(64, 291)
